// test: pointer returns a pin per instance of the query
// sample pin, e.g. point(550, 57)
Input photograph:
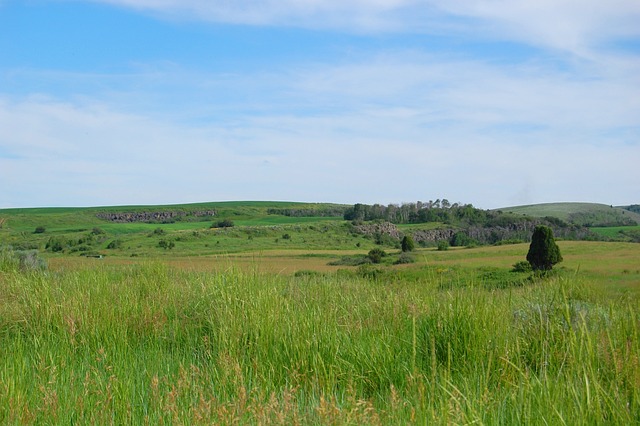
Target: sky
point(490, 102)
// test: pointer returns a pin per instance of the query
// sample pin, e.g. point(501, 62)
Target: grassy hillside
point(193, 231)
point(587, 214)
point(69, 218)
point(196, 230)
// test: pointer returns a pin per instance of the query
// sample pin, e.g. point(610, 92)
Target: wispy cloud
point(571, 25)
point(356, 131)
point(574, 25)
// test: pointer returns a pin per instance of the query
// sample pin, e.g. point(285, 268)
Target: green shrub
point(369, 272)
point(404, 258)
point(115, 244)
point(443, 245)
point(165, 244)
point(350, 261)
point(376, 255)
point(522, 266)
point(226, 223)
point(383, 239)
point(56, 244)
point(40, 230)
point(496, 278)
point(22, 260)
point(461, 239)
point(97, 231)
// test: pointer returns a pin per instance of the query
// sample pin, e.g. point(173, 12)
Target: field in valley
point(269, 329)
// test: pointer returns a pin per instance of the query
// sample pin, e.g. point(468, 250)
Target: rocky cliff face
point(152, 217)
point(433, 235)
point(384, 228)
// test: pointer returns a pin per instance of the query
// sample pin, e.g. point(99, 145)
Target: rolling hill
point(585, 214)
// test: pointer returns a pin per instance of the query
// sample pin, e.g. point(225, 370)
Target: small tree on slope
point(543, 251)
point(408, 244)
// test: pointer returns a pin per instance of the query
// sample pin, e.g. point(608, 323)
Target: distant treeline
point(633, 208)
point(423, 212)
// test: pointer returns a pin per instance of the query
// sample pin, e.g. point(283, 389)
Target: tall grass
point(150, 344)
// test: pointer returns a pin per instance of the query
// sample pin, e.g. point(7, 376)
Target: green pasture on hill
point(61, 218)
point(582, 213)
point(616, 232)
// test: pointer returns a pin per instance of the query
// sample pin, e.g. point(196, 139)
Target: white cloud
point(570, 25)
point(393, 128)
point(61, 153)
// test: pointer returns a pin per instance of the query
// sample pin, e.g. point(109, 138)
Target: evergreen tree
point(543, 251)
point(408, 244)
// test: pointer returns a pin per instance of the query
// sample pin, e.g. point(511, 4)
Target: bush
point(56, 245)
point(383, 239)
point(30, 260)
point(404, 258)
point(376, 255)
point(22, 260)
point(460, 239)
point(522, 266)
point(97, 231)
point(369, 272)
point(443, 245)
point(115, 244)
point(167, 245)
point(226, 223)
point(40, 230)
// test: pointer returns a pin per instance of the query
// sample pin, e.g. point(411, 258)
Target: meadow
point(267, 322)
point(433, 342)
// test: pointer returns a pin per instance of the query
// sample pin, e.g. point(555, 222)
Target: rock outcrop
point(433, 235)
point(384, 228)
point(152, 217)
point(484, 235)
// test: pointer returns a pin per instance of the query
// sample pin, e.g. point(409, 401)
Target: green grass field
point(617, 232)
point(265, 323)
point(149, 343)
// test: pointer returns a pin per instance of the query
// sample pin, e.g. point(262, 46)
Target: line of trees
point(420, 212)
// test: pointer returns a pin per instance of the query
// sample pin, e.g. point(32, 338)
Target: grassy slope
point(26, 219)
point(191, 237)
point(564, 210)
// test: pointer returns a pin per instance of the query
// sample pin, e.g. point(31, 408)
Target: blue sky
point(490, 102)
